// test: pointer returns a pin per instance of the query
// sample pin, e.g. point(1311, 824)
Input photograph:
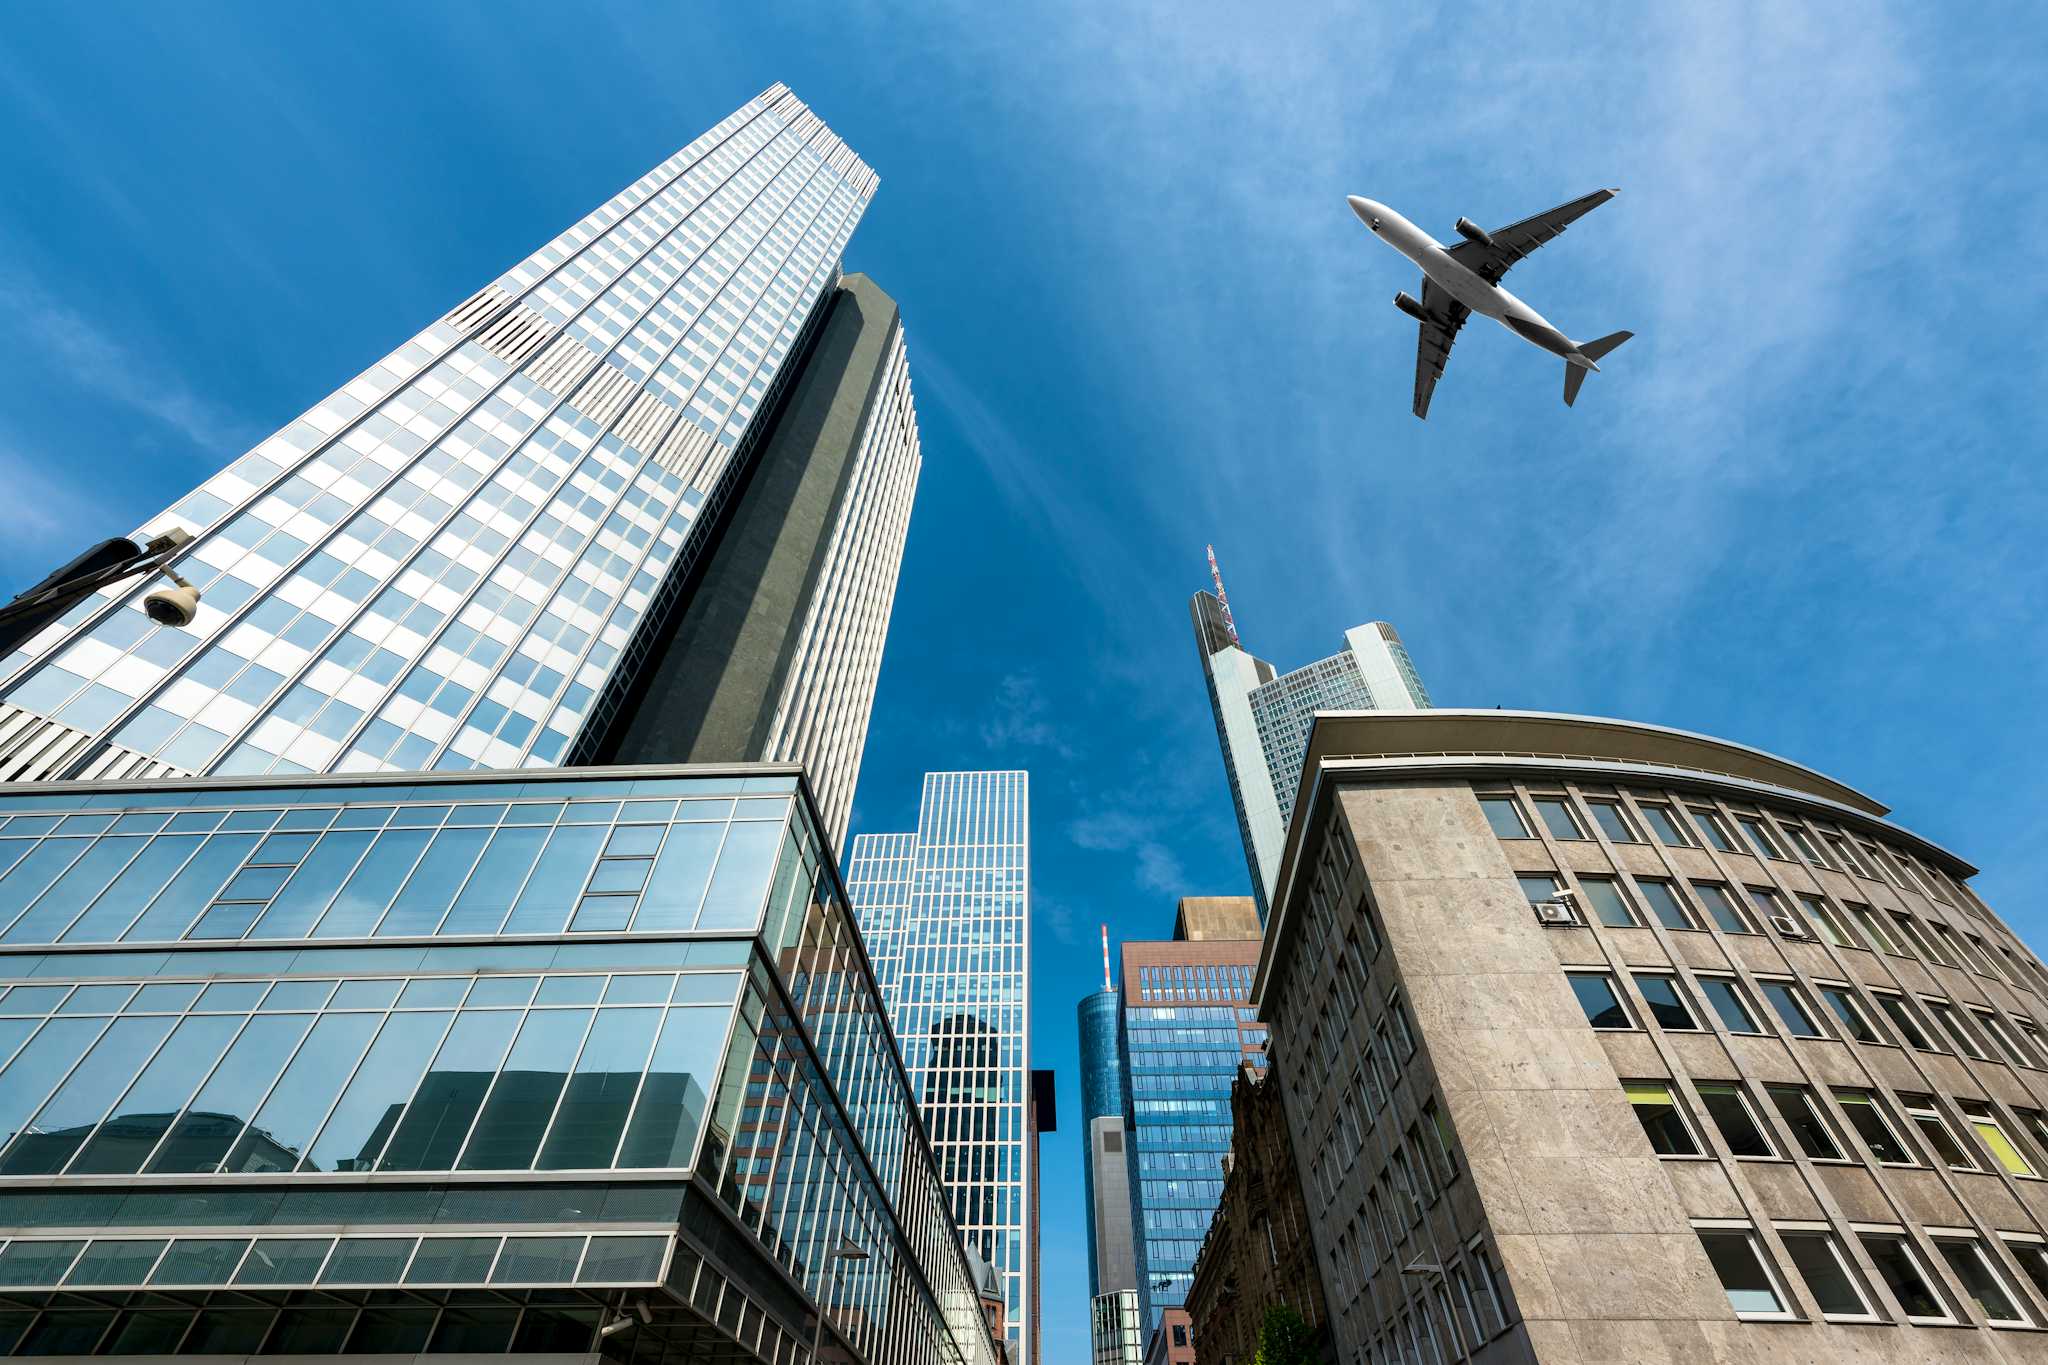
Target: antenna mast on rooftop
point(1105, 959)
point(1229, 621)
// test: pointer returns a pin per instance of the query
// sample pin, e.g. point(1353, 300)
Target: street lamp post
point(110, 561)
point(845, 1251)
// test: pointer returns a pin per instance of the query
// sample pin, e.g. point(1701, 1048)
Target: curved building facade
point(1603, 1040)
point(1112, 1259)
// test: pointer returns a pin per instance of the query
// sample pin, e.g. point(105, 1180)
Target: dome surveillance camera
point(173, 606)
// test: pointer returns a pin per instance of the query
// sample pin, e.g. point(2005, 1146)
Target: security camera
point(175, 606)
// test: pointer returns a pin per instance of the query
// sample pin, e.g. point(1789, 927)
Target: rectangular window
point(1759, 837)
point(1739, 1261)
point(1899, 1266)
point(1865, 1112)
point(1992, 1134)
point(1540, 890)
point(2006, 1039)
point(1829, 1277)
point(1711, 829)
point(2032, 1256)
point(1613, 822)
point(1726, 1105)
point(1603, 896)
point(1907, 1027)
point(1667, 1004)
point(1981, 1281)
point(1842, 1000)
point(1803, 843)
point(1595, 992)
point(1911, 930)
point(1873, 928)
point(1725, 994)
point(1792, 1011)
point(1662, 898)
point(1663, 825)
point(1825, 926)
point(1657, 1110)
point(1558, 818)
point(1923, 1114)
point(1952, 1024)
point(1721, 908)
point(1767, 907)
point(1802, 1116)
point(1504, 814)
point(1446, 1149)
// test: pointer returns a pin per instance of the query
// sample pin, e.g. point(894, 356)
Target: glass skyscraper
point(463, 557)
point(1187, 1024)
point(335, 1016)
point(1263, 717)
point(946, 913)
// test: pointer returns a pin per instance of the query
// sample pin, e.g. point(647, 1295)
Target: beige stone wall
point(1592, 1229)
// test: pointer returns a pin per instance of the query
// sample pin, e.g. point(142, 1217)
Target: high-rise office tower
point(472, 554)
point(1187, 1027)
point(1114, 1321)
point(1263, 717)
point(946, 913)
point(576, 1061)
point(1599, 1040)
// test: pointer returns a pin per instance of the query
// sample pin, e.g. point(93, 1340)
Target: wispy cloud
point(85, 356)
point(1140, 835)
point(1020, 717)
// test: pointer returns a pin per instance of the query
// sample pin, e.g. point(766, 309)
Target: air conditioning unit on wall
point(1789, 927)
point(1555, 912)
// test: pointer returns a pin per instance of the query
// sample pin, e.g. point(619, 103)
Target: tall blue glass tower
point(1112, 1260)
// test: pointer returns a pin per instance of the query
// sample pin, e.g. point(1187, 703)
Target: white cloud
point(1020, 716)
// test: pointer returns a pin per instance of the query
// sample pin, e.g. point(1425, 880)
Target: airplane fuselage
point(1464, 284)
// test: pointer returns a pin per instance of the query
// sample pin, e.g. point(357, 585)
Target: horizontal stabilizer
point(1594, 350)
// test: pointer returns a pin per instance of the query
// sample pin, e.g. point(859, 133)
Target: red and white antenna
point(1229, 621)
point(1105, 959)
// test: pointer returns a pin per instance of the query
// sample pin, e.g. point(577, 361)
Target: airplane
point(1464, 279)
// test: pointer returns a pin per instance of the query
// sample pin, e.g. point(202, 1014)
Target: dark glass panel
point(86, 1096)
point(745, 864)
point(278, 1134)
point(600, 1092)
point(116, 1262)
point(509, 1130)
point(663, 1131)
point(368, 1110)
point(434, 1127)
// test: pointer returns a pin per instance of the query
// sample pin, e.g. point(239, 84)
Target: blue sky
point(1802, 509)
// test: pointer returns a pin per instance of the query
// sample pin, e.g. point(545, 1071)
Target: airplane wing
point(1516, 240)
point(1433, 347)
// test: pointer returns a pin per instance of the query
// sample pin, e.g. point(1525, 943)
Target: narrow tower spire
point(1105, 959)
point(1229, 621)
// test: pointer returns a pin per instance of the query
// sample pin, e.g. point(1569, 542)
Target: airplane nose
point(1361, 207)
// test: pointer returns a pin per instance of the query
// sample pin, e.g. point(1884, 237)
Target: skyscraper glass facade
point(1187, 1025)
point(1263, 718)
point(471, 1063)
point(1105, 1169)
point(449, 562)
point(950, 910)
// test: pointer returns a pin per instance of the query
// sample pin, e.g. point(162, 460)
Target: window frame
point(1894, 1006)
point(1741, 1000)
point(1978, 1123)
point(1829, 1239)
point(1544, 802)
point(1489, 801)
point(1924, 1113)
point(1833, 932)
point(1841, 998)
point(1713, 830)
point(1685, 912)
point(1678, 991)
point(1790, 985)
point(1684, 1122)
point(1712, 893)
point(1605, 975)
point(1759, 837)
point(1872, 924)
point(1944, 1013)
point(1864, 1232)
point(1613, 806)
point(1740, 1093)
point(1758, 1253)
point(1816, 1112)
point(1660, 815)
point(1873, 1102)
point(1585, 900)
point(1943, 1238)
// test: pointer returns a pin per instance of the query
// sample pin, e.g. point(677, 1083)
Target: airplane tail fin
point(1575, 375)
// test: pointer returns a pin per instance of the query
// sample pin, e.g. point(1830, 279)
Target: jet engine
point(1409, 306)
point(1472, 232)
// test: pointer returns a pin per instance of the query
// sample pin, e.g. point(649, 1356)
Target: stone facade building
point(1602, 1041)
point(1258, 1254)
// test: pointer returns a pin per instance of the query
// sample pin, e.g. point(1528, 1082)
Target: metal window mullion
point(568, 1078)
point(140, 845)
point(198, 847)
point(115, 1104)
point(355, 1067)
point(378, 490)
point(313, 926)
point(83, 1053)
point(512, 901)
point(433, 833)
point(484, 851)
point(646, 1063)
point(83, 845)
